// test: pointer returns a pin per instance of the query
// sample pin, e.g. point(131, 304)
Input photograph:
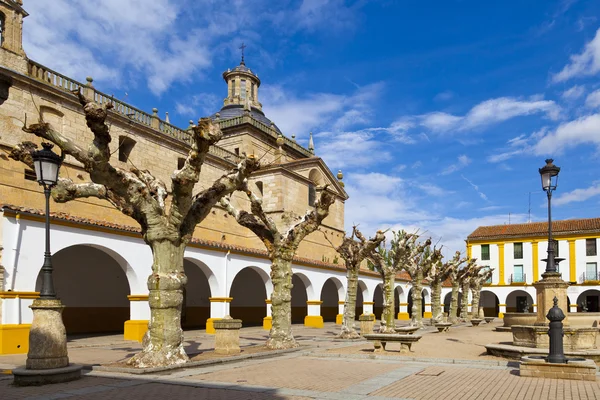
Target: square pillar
point(314, 318)
point(339, 318)
point(550, 286)
point(501, 310)
point(534, 307)
point(139, 313)
point(268, 320)
point(573, 308)
point(403, 312)
point(427, 313)
point(16, 321)
point(219, 307)
point(368, 307)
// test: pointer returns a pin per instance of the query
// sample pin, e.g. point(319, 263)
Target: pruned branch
point(251, 222)
point(204, 135)
point(66, 190)
point(312, 220)
point(45, 131)
point(23, 152)
point(95, 117)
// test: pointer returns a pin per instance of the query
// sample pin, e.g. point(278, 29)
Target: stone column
point(427, 313)
point(368, 307)
point(314, 318)
point(551, 285)
point(48, 337)
point(219, 307)
point(501, 310)
point(339, 318)
point(227, 337)
point(572, 308)
point(403, 312)
point(139, 312)
point(268, 320)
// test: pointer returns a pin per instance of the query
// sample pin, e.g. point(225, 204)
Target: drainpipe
point(16, 251)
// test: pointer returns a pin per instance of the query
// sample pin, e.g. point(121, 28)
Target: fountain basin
point(537, 337)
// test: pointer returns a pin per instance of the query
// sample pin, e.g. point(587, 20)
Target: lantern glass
point(46, 172)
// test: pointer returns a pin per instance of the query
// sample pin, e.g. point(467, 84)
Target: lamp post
point(47, 358)
point(46, 164)
point(549, 174)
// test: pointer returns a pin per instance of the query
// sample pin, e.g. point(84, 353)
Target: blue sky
point(439, 113)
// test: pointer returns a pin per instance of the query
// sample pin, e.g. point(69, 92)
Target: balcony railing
point(518, 278)
point(589, 277)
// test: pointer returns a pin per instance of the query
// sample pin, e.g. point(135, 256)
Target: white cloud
point(351, 149)
point(432, 189)
point(593, 99)
point(573, 93)
point(585, 63)
point(486, 113)
point(376, 182)
point(462, 162)
point(578, 195)
point(444, 96)
point(476, 188)
point(198, 105)
point(570, 134)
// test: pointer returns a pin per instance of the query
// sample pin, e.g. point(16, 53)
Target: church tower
point(11, 26)
point(242, 86)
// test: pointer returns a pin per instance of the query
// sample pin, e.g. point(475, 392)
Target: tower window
point(30, 175)
point(259, 186)
point(236, 151)
point(180, 162)
point(252, 96)
point(2, 21)
point(125, 146)
point(243, 88)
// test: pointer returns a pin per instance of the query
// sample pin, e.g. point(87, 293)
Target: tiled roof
point(559, 228)
point(202, 242)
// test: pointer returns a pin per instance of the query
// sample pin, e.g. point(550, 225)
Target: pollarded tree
point(354, 252)
point(440, 271)
point(403, 247)
point(166, 227)
point(418, 267)
point(477, 282)
point(465, 276)
point(281, 249)
point(455, 274)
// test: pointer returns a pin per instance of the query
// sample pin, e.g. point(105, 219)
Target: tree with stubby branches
point(354, 249)
point(476, 283)
point(403, 248)
point(465, 275)
point(419, 265)
point(166, 226)
point(440, 271)
point(455, 274)
point(281, 249)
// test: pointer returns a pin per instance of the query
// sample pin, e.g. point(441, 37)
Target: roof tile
point(564, 227)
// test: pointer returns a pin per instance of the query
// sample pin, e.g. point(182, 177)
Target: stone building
point(101, 263)
point(515, 252)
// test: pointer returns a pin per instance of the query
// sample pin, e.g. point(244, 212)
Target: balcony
point(518, 279)
point(590, 278)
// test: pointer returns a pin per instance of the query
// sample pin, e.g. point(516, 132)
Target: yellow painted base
point(210, 328)
point(500, 315)
point(14, 338)
point(135, 329)
point(313, 321)
point(427, 314)
point(267, 323)
point(339, 319)
point(403, 316)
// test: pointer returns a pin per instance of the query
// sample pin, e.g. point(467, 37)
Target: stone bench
point(406, 330)
point(380, 340)
point(443, 326)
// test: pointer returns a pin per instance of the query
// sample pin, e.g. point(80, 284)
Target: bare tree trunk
point(281, 305)
point(464, 310)
point(163, 342)
point(388, 320)
point(348, 330)
point(417, 297)
point(436, 308)
point(453, 314)
point(475, 302)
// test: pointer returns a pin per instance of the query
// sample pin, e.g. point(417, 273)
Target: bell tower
point(11, 26)
point(242, 86)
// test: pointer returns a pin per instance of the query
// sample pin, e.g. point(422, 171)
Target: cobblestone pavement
point(313, 374)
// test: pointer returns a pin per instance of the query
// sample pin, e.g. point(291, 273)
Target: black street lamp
point(46, 164)
point(549, 175)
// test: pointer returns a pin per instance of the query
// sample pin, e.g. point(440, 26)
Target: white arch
point(310, 292)
point(364, 290)
point(401, 294)
point(425, 294)
point(213, 282)
point(263, 275)
point(339, 286)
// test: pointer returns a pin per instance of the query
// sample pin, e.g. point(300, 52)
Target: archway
point(519, 301)
point(378, 301)
point(331, 294)
point(398, 298)
point(299, 299)
point(249, 293)
point(362, 293)
point(196, 294)
point(490, 303)
point(92, 284)
point(588, 301)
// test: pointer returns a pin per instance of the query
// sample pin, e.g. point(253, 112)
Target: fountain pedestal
point(549, 287)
